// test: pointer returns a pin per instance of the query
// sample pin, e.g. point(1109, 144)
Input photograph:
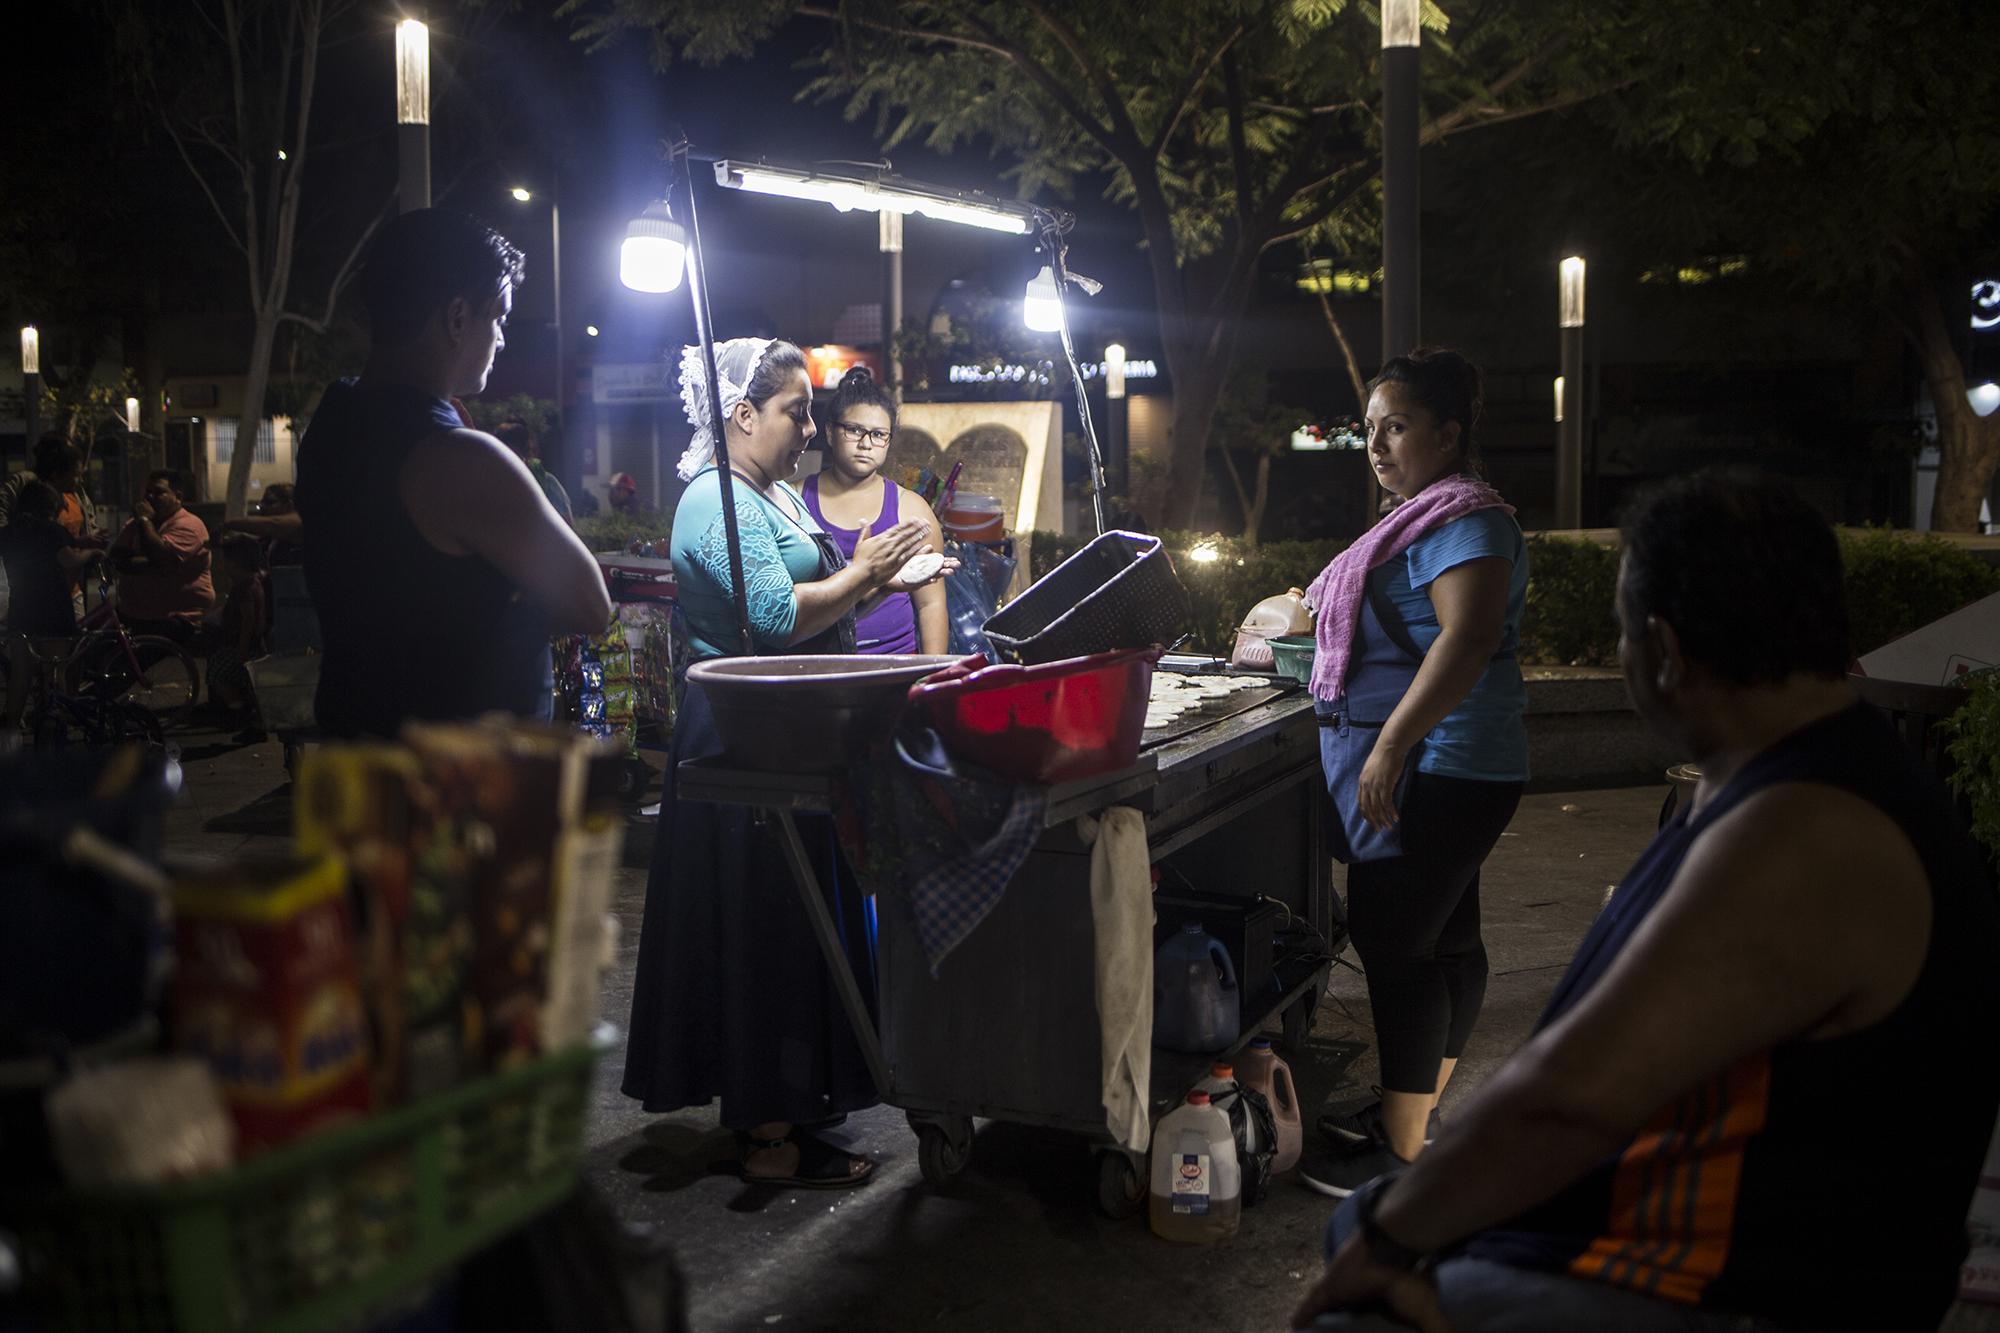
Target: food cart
point(1008, 1029)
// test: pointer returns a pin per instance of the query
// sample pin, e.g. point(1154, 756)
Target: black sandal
point(821, 1165)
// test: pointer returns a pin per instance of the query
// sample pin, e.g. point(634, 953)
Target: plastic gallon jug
point(1260, 1067)
point(1196, 1005)
point(1197, 1189)
point(1269, 619)
point(1221, 1087)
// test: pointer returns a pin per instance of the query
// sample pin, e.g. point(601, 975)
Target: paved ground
point(1021, 1241)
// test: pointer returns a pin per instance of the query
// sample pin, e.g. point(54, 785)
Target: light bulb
point(1041, 307)
point(653, 257)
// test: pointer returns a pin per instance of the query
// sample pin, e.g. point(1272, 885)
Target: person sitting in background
point(276, 524)
point(42, 561)
point(245, 632)
point(623, 495)
point(162, 559)
point(520, 437)
point(1674, 1148)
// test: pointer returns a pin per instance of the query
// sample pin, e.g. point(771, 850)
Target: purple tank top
point(891, 626)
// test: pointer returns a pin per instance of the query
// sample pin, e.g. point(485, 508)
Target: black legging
point(1414, 920)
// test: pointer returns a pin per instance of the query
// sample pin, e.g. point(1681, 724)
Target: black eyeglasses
point(856, 434)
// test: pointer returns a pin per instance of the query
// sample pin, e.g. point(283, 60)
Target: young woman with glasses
point(850, 498)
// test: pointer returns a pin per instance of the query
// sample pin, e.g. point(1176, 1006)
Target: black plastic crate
point(1118, 592)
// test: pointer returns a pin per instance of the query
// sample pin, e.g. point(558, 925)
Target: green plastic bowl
point(1294, 654)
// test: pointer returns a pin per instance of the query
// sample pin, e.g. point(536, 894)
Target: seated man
point(276, 523)
point(1677, 1146)
point(162, 560)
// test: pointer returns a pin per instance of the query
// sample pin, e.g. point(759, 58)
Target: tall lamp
point(1401, 232)
point(523, 195)
point(1118, 454)
point(31, 383)
point(413, 116)
point(1569, 433)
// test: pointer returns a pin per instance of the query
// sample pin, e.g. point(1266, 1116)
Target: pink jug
point(1259, 1067)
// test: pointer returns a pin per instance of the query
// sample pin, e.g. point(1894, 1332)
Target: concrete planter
point(1584, 732)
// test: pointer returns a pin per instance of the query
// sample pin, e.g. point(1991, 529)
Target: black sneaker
point(1339, 1176)
point(1361, 1126)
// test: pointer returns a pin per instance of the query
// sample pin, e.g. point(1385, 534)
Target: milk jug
point(1197, 1187)
point(1221, 1087)
point(1196, 1006)
point(1263, 1070)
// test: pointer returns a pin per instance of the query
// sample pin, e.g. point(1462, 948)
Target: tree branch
point(1323, 210)
point(1239, 151)
point(1432, 133)
point(221, 213)
point(342, 275)
point(1186, 97)
point(1120, 114)
point(1534, 60)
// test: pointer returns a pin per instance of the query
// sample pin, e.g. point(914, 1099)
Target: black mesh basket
point(1117, 592)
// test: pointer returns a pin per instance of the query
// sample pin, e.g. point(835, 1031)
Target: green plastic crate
point(320, 1232)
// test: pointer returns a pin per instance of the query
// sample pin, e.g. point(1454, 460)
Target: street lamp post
point(1569, 434)
point(413, 116)
point(891, 243)
point(1401, 239)
point(1114, 418)
point(31, 383)
point(522, 194)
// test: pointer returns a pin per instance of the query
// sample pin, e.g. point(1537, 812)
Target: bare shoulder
point(1815, 859)
point(914, 506)
point(463, 454)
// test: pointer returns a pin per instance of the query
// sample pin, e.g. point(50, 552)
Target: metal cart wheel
point(633, 775)
point(1121, 1184)
point(944, 1148)
point(1299, 1019)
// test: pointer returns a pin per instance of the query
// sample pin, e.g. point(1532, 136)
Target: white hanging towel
point(1121, 908)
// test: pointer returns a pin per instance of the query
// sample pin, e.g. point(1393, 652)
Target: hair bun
point(857, 376)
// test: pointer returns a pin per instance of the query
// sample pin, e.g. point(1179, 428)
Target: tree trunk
point(1354, 375)
point(1968, 444)
point(1251, 504)
point(256, 378)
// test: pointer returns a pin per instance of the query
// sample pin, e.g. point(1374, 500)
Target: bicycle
point(58, 719)
point(109, 662)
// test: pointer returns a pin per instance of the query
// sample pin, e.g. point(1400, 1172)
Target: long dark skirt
point(732, 998)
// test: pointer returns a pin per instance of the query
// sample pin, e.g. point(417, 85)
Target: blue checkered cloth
point(936, 834)
point(954, 896)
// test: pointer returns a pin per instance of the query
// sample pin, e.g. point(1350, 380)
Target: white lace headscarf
point(736, 363)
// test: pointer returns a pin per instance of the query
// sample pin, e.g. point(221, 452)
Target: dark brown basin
point(807, 714)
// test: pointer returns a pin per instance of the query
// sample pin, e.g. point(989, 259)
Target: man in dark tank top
point(437, 566)
point(1677, 1146)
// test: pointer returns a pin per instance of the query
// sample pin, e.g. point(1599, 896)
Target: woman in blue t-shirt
point(1443, 578)
point(732, 998)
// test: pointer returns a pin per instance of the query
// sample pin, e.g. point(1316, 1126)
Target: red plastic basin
point(1055, 722)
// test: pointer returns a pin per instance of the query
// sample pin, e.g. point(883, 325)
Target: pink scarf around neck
point(1338, 591)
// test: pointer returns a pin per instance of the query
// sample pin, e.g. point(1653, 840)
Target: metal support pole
point(892, 298)
point(844, 984)
point(555, 273)
point(704, 334)
point(1119, 452)
point(413, 169)
point(31, 391)
point(1569, 435)
point(1401, 232)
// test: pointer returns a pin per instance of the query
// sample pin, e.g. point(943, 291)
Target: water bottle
point(1196, 1193)
point(1196, 1005)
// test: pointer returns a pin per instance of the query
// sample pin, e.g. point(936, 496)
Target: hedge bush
point(1895, 583)
point(608, 531)
point(1975, 755)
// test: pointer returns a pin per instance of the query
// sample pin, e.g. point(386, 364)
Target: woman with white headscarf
point(731, 998)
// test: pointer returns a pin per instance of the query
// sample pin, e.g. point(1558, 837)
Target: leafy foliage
point(1897, 583)
point(1975, 753)
point(609, 531)
point(1571, 616)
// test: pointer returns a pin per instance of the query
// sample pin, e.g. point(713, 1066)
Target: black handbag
point(1386, 660)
